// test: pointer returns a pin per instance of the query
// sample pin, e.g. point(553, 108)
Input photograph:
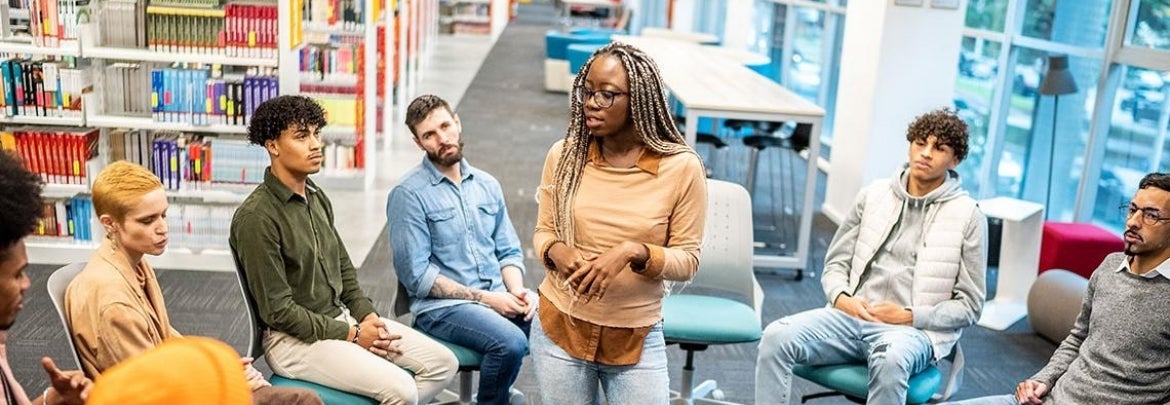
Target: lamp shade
point(1058, 80)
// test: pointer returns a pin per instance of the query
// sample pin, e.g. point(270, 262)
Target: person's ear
point(270, 145)
point(108, 223)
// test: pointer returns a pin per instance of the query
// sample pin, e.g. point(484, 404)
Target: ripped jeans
point(827, 336)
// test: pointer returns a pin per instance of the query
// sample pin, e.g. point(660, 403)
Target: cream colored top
point(661, 202)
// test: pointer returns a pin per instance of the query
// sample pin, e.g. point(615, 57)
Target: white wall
point(897, 62)
point(738, 30)
point(683, 16)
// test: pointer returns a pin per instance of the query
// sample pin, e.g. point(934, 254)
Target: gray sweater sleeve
point(839, 256)
point(1070, 348)
point(966, 302)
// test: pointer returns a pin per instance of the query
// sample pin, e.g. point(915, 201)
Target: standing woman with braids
point(622, 204)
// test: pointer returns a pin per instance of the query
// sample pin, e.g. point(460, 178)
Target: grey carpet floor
point(509, 123)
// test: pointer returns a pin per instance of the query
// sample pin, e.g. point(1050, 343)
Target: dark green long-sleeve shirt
point(296, 267)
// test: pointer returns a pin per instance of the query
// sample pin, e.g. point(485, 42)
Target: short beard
point(446, 162)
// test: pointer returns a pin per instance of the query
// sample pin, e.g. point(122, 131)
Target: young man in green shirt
point(319, 325)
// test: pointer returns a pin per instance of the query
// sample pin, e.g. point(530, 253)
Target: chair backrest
point(57, 284)
point(726, 261)
point(255, 343)
point(401, 308)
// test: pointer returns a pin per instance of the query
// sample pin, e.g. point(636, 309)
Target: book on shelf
point(190, 162)
point(329, 69)
point(50, 21)
point(41, 88)
point(246, 29)
point(67, 217)
point(339, 15)
point(197, 95)
point(199, 226)
point(58, 155)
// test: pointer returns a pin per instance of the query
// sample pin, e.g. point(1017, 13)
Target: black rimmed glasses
point(1150, 216)
point(603, 98)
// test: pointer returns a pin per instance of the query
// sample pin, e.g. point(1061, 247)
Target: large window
point(1107, 135)
point(803, 39)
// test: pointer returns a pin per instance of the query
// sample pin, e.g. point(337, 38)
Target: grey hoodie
point(891, 273)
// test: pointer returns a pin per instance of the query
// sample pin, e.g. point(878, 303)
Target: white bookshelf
point(63, 250)
point(66, 48)
point(146, 55)
point(113, 121)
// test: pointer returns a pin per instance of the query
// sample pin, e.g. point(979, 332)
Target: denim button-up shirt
point(462, 233)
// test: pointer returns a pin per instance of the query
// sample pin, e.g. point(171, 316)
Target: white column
point(738, 27)
point(897, 62)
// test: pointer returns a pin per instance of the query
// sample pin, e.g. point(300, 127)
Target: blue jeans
point(503, 342)
point(827, 336)
point(565, 380)
point(991, 400)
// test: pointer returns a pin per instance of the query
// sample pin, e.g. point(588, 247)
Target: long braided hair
point(649, 113)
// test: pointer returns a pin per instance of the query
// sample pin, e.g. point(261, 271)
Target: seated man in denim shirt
point(457, 254)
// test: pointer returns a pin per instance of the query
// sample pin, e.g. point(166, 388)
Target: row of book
point(194, 96)
point(50, 21)
point(184, 161)
point(67, 218)
point(237, 29)
point(347, 15)
point(193, 226)
point(41, 88)
point(58, 155)
point(330, 69)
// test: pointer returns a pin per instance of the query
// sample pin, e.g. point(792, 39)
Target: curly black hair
point(278, 114)
point(20, 202)
point(421, 107)
point(943, 124)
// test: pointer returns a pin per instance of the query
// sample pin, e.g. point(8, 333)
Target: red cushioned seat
point(1076, 247)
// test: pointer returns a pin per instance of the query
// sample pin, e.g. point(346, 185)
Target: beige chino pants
point(348, 367)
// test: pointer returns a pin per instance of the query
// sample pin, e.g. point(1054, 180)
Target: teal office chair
point(695, 321)
point(58, 282)
point(852, 380)
point(328, 395)
point(469, 360)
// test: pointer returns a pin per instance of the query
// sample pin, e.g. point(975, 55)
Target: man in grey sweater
point(1117, 350)
point(903, 275)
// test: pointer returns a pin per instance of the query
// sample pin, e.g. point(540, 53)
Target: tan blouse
point(661, 202)
point(114, 315)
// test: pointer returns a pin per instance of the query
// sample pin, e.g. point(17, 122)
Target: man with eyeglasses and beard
point(1116, 351)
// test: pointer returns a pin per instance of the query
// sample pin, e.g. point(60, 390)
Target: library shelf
point(35, 120)
point(113, 121)
point(64, 250)
point(55, 191)
point(146, 55)
point(66, 48)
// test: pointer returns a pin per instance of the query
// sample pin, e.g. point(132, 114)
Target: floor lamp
point(1057, 81)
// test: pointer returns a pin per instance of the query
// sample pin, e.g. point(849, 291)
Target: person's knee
point(513, 347)
point(447, 365)
point(398, 392)
point(884, 359)
point(779, 342)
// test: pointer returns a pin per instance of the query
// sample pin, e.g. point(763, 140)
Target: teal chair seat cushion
point(328, 395)
point(708, 320)
point(468, 359)
point(853, 380)
point(579, 54)
point(556, 42)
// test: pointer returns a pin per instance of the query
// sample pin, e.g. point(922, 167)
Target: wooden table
point(713, 85)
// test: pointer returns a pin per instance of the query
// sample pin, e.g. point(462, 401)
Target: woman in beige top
point(622, 204)
point(114, 306)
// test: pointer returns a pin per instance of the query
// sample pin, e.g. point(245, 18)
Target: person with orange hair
point(208, 376)
point(115, 306)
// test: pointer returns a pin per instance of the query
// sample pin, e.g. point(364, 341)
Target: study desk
point(713, 85)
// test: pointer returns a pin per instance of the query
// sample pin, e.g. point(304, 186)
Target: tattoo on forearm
point(447, 288)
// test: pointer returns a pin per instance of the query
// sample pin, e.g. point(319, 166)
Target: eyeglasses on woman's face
point(603, 98)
